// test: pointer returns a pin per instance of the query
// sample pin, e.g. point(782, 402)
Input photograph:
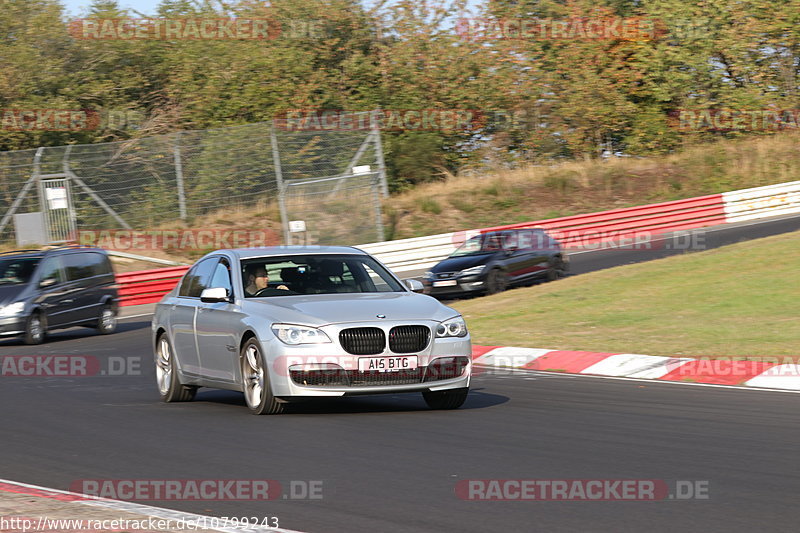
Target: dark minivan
point(491, 262)
point(42, 290)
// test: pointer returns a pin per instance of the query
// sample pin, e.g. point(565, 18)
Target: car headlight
point(473, 271)
point(12, 309)
point(291, 334)
point(455, 327)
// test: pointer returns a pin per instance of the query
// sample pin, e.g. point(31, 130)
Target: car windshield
point(17, 271)
point(315, 274)
point(480, 244)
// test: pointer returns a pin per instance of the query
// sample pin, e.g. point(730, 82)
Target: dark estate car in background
point(42, 290)
point(494, 261)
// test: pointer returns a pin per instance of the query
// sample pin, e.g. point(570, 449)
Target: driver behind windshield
point(257, 280)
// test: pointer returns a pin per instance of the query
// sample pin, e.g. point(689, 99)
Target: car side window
point(51, 269)
point(198, 278)
point(510, 241)
point(77, 267)
point(222, 276)
point(98, 263)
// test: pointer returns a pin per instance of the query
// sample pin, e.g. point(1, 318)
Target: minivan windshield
point(17, 271)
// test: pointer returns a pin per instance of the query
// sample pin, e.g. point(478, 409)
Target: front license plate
point(387, 364)
point(445, 283)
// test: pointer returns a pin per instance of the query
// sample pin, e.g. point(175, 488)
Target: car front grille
point(409, 339)
point(355, 378)
point(363, 341)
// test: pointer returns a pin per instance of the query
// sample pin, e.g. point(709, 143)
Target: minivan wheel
point(169, 386)
point(446, 399)
point(255, 381)
point(496, 281)
point(107, 322)
point(34, 329)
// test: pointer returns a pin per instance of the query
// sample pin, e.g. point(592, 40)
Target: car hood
point(455, 264)
point(322, 309)
point(10, 293)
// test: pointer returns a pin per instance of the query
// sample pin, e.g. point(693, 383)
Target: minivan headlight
point(291, 334)
point(12, 309)
point(473, 271)
point(455, 327)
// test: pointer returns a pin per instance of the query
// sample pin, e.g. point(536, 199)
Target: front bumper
point(466, 285)
point(13, 325)
point(286, 363)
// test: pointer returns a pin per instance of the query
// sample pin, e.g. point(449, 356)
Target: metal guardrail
point(762, 202)
point(574, 232)
point(147, 286)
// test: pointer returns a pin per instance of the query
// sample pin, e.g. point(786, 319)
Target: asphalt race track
point(389, 464)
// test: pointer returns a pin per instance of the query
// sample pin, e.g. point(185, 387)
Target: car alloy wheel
point(555, 269)
point(107, 323)
point(496, 281)
point(169, 386)
point(34, 329)
point(255, 381)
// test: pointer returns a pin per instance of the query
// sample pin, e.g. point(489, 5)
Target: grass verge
point(738, 300)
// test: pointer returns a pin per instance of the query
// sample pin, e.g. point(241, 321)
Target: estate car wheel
point(555, 269)
point(255, 377)
point(34, 329)
point(107, 322)
point(169, 386)
point(446, 399)
point(496, 281)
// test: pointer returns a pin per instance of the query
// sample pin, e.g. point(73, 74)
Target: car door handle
point(68, 301)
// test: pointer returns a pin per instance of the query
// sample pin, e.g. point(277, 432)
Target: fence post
point(176, 154)
point(378, 214)
point(276, 161)
point(376, 132)
point(32, 180)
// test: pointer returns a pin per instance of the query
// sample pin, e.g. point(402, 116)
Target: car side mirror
point(47, 282)
point(414, 285)
point(215, 295)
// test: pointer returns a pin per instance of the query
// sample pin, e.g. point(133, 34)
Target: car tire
point(496, 281)
point(555, 269)
point(35, 329)
point(446, 399)
point(255, 381)
point(169, 386)
point(107, 321)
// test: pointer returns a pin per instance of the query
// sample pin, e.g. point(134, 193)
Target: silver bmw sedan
point(295, 322)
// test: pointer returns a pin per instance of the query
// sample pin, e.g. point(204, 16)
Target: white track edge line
point(146, 510)
point(641, 380)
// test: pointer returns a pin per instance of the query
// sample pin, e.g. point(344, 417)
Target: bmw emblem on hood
point(381, 316)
